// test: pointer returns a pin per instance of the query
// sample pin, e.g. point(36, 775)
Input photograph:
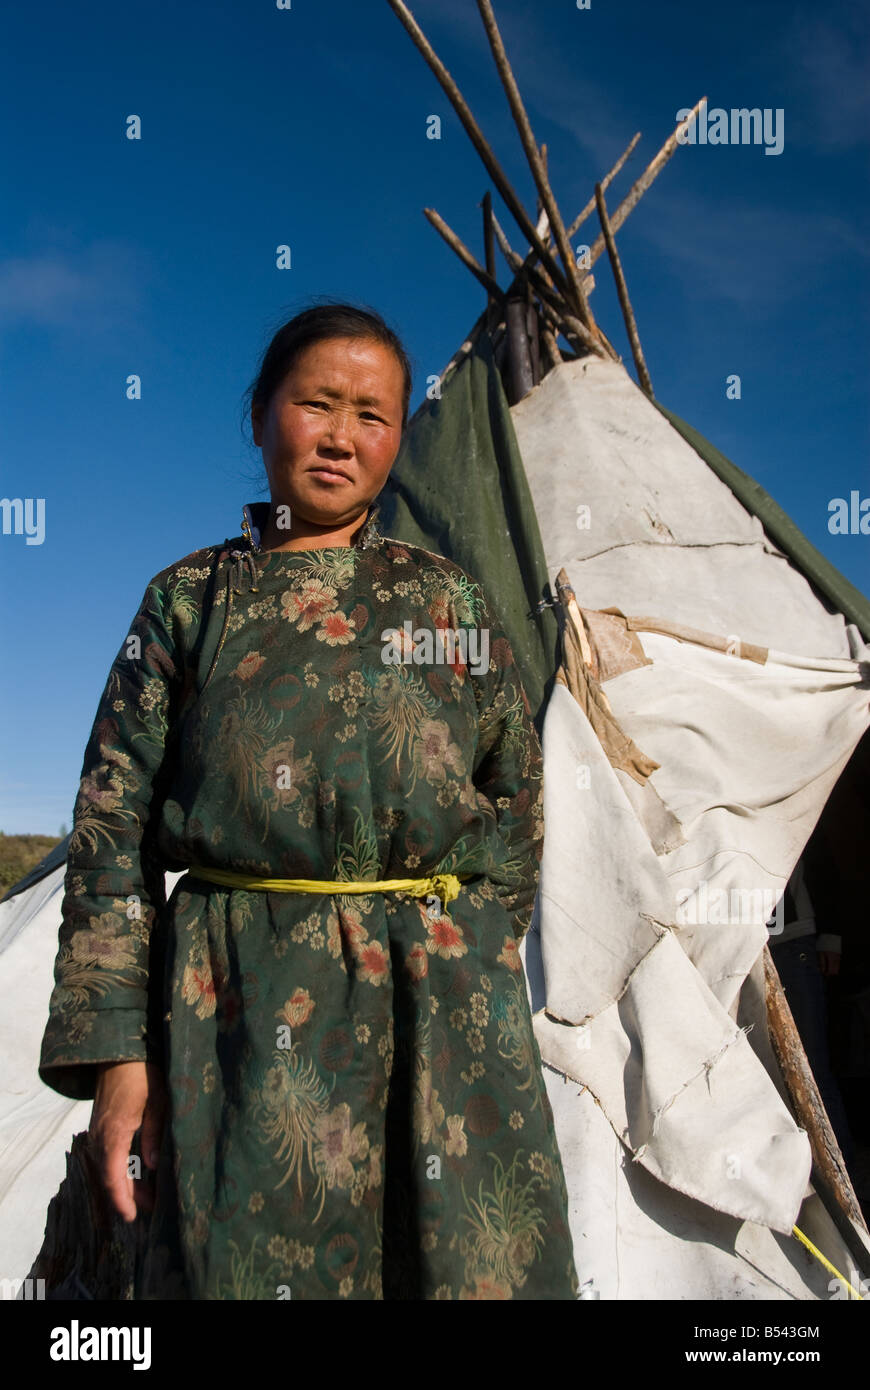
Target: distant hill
point(21, 853)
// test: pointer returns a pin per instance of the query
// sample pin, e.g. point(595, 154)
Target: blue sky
point(307, 126)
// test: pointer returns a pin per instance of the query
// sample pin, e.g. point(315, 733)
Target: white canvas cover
point(662, 1020)
point(663, 534)
point(36, 1124)
point(662, 1047)
point(635, 1238)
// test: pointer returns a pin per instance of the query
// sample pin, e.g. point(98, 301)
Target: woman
point(340, 1091)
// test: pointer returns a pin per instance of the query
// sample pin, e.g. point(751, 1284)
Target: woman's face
point(332, 430)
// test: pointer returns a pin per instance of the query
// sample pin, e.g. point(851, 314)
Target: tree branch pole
point(622, 293)
point(521, 265)
point(520, 370)
point(493, 306)
point(538, 203)
point(569, 327)
point(488, 235)
point(531, 256)
point(475, 134)
point(576, 297)
point(550, 345)
point(605, 183)
point(491, 286)
point(524, 269)
point(650, 173)
point(530, 259)
point(513, 258)
point(635, 193)
point(532, 328)
point(829, 1169)
point(546, 294)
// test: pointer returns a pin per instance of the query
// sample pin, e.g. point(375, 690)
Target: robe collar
point(255, 515)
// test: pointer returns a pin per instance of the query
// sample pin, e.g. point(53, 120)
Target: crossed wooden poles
point(560, 288)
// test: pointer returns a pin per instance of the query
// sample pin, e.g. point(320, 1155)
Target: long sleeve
point(508, 771)
point(114, 885)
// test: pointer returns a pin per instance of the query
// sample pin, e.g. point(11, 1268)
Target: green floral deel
point(357, 1105)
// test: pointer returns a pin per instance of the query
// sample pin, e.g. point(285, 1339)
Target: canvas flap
point(650, 951)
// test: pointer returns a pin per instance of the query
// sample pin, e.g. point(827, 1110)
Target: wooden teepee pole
point(521, 377)
point(493, 307)
point(488, 235)
point(475, 134)
point(531, 257)
point(640, 186)
point(622, 293)
point(588, 283)
point(540, 205)
point(533, 320)
point(550, 345)
point(545, 293)
point(563, 323)
point(520, 265)
point(456, 244)
point(829, 1168)
point(605, 183)
point(577, 297)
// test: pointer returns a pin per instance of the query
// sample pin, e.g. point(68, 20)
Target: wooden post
point(552, 319)
point(526, 269)
point(533, 337)
point(830, 1175)
point(622, 292)
point(494, 307)
point(520, 377)
point(488, 235)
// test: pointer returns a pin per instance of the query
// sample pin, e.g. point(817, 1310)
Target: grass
point(21, 853)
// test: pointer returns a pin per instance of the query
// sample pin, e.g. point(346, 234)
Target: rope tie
point(445, 887)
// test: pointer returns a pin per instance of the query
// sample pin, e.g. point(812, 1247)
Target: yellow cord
point(827, 1263)
point(445, 886)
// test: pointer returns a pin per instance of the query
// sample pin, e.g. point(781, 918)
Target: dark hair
point(328, 319)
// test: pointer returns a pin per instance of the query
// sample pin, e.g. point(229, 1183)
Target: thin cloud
point(94, 286)
point(759, 258)
point(831, 65)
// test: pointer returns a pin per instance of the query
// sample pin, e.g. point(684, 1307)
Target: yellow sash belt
point(445, 886)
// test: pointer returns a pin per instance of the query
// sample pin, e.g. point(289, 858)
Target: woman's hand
point(128, 1094)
